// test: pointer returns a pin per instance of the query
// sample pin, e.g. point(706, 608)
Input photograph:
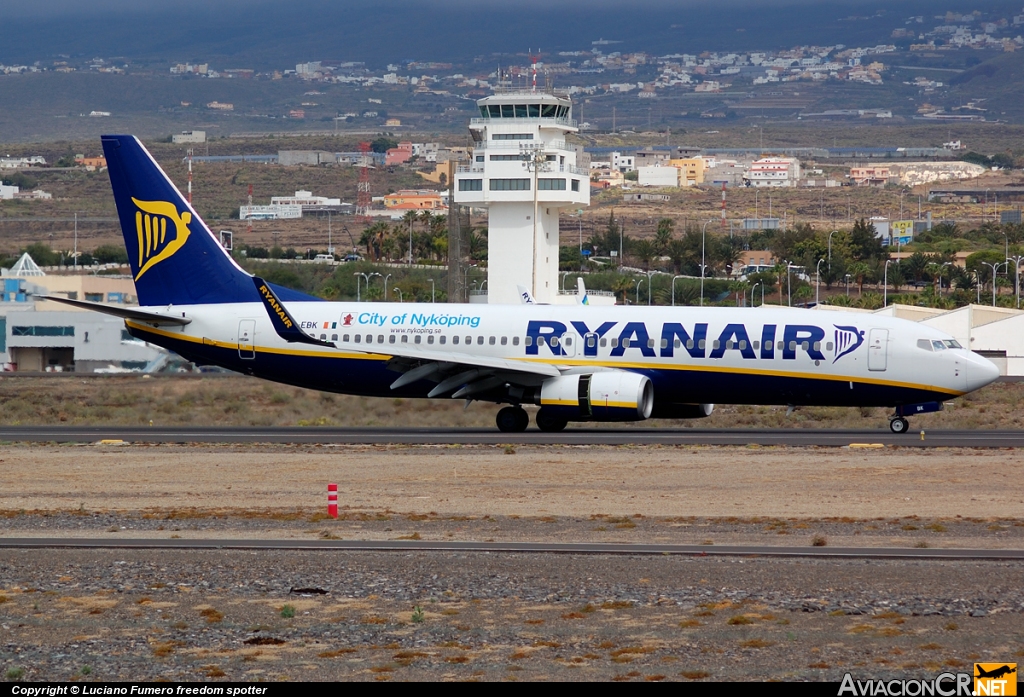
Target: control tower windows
point(512, 136)
point(510, 184)
point(524, 111)
point(550, 185)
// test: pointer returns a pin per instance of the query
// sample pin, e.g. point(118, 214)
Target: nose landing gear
point(899, 424)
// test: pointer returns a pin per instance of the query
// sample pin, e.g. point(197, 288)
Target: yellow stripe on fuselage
point(625, 365)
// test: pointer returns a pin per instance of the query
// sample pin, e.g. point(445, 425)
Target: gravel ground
point(114, 615)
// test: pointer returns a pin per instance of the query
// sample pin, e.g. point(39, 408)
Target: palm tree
point(666, 228)
point(410, 219)
point(622, 284)
point(861, 272)
point(645, 251)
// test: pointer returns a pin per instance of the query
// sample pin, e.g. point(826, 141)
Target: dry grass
point(245, 401)
point(212, 616)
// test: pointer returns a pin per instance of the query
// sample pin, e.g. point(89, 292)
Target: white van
point(324, 259)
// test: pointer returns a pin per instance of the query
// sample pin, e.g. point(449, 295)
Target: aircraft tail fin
point(174, 257)
point(525, 296)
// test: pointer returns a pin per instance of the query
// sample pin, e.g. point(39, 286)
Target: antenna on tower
point(533, 60)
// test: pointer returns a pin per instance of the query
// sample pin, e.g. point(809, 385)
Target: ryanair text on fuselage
point(770, 342)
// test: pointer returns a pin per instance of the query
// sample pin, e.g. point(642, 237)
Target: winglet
point(525, 296)
point(581, 292)
point(284, 324)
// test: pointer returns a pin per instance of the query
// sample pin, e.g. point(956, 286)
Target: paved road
point(581, 436)
point(510, 548)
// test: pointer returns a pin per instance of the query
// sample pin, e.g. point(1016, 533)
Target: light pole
point(386, 278)
point(535, 162)
point(994, 267)
point(674, 289)
point(752, 292)
point(431, 289)
point(638, 290)
point(620, 244)
point(817, 288)
point(885, 284)
point(563, 274)
point(847, 285)
point(368, 278)
point(330, 248)
point(703, 247)
point(830, 250)
point(399, 291)
point(351, 239)
point(789, 284)
point(1016, 276)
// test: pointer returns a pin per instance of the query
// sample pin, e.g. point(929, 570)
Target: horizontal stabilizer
point(284, 324)
point(134, 313)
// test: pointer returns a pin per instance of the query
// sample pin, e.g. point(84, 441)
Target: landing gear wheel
point(512, 420)
point(899, 425)
point(550, 423)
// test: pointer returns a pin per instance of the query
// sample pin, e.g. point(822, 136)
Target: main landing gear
point(512, 420)
point(898, 424)
point(550, 423)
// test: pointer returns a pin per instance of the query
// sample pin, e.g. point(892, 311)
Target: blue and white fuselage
point(579, 363)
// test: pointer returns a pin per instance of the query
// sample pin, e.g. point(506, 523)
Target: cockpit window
point(939, 346)
point(926, 345)
point(952, 343)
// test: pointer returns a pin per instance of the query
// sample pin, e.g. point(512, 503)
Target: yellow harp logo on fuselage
point(151, 225)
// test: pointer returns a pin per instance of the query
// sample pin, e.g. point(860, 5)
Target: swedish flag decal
point(156, 242)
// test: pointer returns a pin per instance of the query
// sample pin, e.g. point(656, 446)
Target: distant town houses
point(21, 162)
point(598, 69)
point(8, 193)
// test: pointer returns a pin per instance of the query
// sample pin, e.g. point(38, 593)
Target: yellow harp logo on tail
point(155, 243)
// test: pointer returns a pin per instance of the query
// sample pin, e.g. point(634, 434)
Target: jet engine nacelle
point(614, 395)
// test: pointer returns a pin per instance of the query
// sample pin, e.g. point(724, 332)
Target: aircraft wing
point(461, 375)
point(139, 315)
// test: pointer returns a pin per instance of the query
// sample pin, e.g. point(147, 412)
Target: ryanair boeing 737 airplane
point(579, 363)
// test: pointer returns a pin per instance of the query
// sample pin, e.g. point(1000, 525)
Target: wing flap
point(465, 359)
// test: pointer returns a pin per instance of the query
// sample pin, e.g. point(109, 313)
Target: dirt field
point(527, 481)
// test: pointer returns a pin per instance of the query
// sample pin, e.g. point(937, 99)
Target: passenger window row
point(554, 341)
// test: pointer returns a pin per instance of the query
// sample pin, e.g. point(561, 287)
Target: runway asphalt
point(512, 548)
point(571, 436)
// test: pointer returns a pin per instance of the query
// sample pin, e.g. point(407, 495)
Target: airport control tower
point(525, 174)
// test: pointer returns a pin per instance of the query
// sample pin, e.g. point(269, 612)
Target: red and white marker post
point(332, 500)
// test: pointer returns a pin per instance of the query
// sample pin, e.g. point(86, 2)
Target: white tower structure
point(524, 172)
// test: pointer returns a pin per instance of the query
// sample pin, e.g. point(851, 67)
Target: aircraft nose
point(980, 372)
